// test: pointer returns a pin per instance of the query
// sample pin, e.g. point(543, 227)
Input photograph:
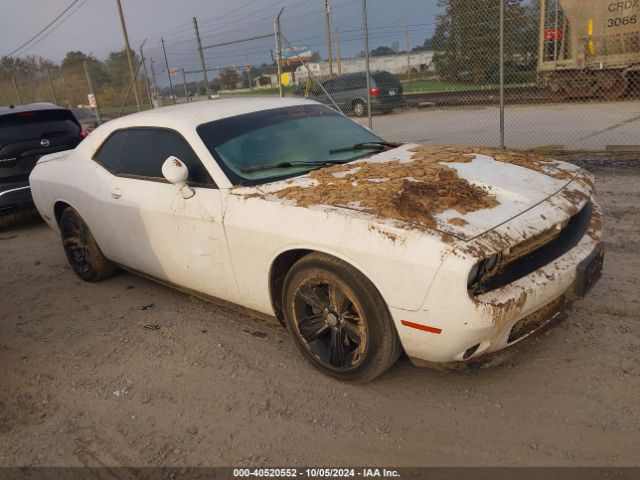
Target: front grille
point(523, 264)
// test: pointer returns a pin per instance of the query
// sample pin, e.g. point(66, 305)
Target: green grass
point(438, 86)
point(257, 91)
point(435, 85)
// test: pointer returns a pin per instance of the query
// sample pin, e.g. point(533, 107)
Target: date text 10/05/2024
point(315, 473)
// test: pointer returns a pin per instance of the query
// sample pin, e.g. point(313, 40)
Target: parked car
point(363, 248)
point(349, 92)
point(26, 133)
point(87, 118)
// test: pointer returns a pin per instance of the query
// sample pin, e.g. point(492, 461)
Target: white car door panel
point(158, 232)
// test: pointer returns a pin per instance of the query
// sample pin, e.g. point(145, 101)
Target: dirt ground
point(128, 372)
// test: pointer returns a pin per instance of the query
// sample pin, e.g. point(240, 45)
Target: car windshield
point(265, 146)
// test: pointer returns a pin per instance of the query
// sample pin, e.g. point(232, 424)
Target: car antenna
point(12, 106)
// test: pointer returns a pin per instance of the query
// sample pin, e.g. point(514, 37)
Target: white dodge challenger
point(362, 247)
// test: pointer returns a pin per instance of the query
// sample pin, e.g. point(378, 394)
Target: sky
point(93, 26)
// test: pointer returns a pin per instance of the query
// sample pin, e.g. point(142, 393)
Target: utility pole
point(406, 32)
point(53, 90)
point(327, 14)
point(202, 64)
point(146, 76)
point(155, 84)
point(184, 84)
point(15, 86)
point(129, 58)
point(365, 23)
point(276, 27)
point(87, 72)
point(166, 62)
point(338, 51)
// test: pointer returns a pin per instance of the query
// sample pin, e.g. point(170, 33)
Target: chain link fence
point(528, 74)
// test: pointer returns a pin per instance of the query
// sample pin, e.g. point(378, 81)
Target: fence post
point(146, 76)
point(366, 60)
point(15, 86)
point(276, 27)
point(87, 72)
point(53, 90)
point(338, 54)
point(406, 32)
point(204, 67)
point(166, 62)
point(184, 84)
point(502, 145)
point(155, 85)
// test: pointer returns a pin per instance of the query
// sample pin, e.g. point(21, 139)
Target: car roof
point(187, 116)
point(197, 113)
point(8, 110)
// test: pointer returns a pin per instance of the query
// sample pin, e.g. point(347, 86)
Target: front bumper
point(15, 196)
point(465, 329)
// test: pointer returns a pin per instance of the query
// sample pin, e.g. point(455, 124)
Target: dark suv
point(349, 91)
point(26, 133)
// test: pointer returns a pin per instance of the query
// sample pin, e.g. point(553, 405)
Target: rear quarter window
point(110, 153)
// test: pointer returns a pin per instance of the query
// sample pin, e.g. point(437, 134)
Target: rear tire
point(338, 320)
point(81, 248)
point(359, 108)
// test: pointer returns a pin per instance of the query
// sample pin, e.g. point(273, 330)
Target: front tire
point(338, 319)
point(81, 248)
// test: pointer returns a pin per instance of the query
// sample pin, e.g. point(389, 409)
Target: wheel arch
point(58, 207)
point(358, 100)
point(283, 262)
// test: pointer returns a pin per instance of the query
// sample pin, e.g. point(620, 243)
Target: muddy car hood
point(462, 192)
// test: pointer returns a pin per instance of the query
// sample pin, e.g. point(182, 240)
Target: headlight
point(490, 262)
point(473, 275)
point(480, 268)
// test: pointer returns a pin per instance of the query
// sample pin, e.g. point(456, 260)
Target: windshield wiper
point(367, 146)
point(322, 163)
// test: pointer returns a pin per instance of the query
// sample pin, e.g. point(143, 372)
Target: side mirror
point(177, 173)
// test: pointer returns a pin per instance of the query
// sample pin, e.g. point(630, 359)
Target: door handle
point(116, 192)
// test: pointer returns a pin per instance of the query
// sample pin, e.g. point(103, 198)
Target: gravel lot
point(128, 372)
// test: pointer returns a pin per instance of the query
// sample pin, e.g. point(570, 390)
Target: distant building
point(420, 61)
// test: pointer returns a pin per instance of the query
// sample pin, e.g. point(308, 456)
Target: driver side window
point(146, 149)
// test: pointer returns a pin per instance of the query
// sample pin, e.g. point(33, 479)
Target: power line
point(55, 28)
point(45, 28)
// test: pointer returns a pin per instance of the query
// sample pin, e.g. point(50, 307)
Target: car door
point(156, 230)
point(342, 92)
point(329, 88)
